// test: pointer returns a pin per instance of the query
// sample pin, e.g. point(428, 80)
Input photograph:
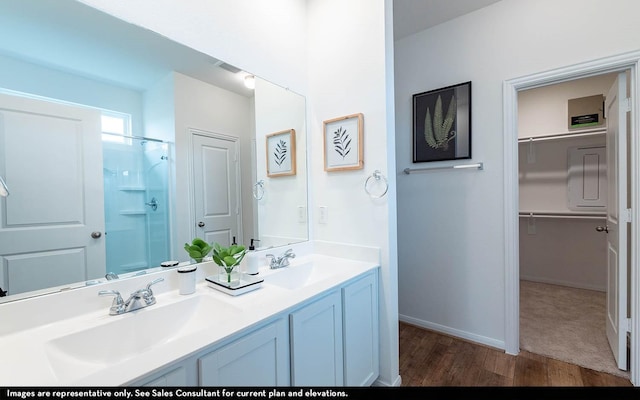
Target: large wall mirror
point(117, 146)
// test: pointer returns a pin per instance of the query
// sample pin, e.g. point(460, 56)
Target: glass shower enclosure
point(136, 197)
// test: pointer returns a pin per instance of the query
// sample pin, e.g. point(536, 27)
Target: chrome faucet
point(139, 299)
point(282, 261)
point(111, 276)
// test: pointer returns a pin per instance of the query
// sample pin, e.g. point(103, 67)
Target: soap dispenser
point(253, 260)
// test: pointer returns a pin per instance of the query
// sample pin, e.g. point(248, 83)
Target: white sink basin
point(299, 276)
point(129, 335)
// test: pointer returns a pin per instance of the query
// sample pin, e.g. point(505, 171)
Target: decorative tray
point(246, 283)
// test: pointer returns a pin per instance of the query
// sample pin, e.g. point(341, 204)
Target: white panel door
point(216, 188)
point(616, 315)
point(51, 159)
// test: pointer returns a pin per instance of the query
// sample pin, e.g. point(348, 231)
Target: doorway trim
point(192, 200)
point(618, 63)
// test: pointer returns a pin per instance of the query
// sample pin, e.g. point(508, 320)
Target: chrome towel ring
point(258, 190)
point(376, 180)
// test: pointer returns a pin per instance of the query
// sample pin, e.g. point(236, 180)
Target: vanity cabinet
point(360, 316)
point(179, 374)
point(316, 343)
point(329, 340)
point(334, 340)
point(260, 358)
point(175, 377)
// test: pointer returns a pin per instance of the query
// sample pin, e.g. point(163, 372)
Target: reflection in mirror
point(119, 145)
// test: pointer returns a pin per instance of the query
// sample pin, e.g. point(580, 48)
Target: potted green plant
point(198, 249)
point(227, 258)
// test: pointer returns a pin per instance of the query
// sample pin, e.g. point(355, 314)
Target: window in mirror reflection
point(115, 126)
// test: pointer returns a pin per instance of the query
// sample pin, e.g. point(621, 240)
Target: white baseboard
point(559, 282)
point(396, 383)
point(498, 344)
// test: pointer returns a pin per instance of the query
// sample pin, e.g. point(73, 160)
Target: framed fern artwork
point(281, 153)
point(442, 124)
point(343, 143)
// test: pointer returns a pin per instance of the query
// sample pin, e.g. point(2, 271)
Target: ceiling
point(73, 37)
point(412, 16)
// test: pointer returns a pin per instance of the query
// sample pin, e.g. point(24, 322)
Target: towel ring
point(377, 176)
point(258, 190)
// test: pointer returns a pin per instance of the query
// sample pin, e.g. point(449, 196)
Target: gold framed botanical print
point(344, 143)
point(281, 153)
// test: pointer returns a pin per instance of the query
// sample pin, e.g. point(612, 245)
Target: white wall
point(296, 44)
point(349, 44)
point(266, 38)
point(277, 110)
point(544, 110)
point(451, 223)
point(560, 251)
point(213, 110)
point(39, 80)
point(179, 103)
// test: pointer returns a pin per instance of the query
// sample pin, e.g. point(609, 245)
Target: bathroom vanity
point(314, 323)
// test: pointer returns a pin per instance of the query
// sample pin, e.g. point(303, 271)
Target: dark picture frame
point(442, 124)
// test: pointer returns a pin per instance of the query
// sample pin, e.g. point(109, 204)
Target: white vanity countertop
point(28, 358)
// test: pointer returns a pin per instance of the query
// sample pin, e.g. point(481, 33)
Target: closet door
point(617, 219)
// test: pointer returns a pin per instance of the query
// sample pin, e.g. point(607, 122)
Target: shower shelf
point(132, 188)
point(132, 212)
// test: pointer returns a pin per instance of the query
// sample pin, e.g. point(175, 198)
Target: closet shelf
point(565, 215)
point(564, 135)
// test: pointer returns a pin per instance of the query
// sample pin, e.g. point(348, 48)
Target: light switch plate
point(302, 214)
point(324, 214)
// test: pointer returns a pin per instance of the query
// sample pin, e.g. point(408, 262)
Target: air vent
point(229, 68)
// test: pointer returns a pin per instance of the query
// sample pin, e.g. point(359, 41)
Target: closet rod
point(567, 135)
point(561, 215)
point(478, 166)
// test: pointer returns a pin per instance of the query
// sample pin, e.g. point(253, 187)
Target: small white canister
point(187, 279)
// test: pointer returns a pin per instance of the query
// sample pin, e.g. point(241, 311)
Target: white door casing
point(51, 159)
point(216, 188)
point(617, 219)
point(616, 63)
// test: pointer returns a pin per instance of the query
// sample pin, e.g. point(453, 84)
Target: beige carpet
point(566, 324)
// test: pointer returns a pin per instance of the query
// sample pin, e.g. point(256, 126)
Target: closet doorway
point(568, 214)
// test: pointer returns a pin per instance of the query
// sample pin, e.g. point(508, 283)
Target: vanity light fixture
point(4, 190)
point(250, 81)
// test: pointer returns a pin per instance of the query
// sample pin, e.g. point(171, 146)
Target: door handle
point(602, 229)
point(201, 224)
point(96, 235)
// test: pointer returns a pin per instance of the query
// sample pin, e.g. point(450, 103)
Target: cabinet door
point(361, 330)
point(316, 343)
point(177, 377)
point(260, 358)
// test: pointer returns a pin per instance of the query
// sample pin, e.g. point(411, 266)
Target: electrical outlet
point(324, 214)
point(302, 214)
